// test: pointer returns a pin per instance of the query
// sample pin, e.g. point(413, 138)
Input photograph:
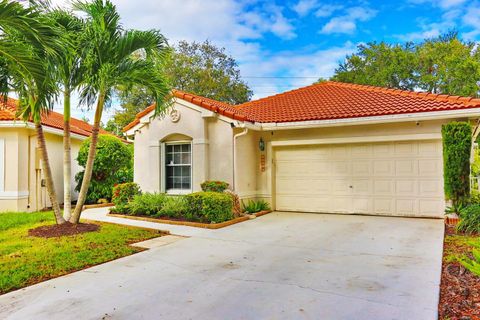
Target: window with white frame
point(178, 166)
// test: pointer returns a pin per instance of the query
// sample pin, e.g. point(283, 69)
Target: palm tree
point(116, 57)
point(68, 72)
point(27, 41)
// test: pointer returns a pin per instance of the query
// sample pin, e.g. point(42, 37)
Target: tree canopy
point(445, 65)
point(199, 68)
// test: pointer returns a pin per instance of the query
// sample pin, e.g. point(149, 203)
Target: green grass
point(26, 260)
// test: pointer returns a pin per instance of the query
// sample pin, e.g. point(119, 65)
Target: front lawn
point(460, 288)
point(25, 260)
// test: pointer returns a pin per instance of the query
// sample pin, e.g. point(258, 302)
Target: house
point(329, 147)
point(22, 186)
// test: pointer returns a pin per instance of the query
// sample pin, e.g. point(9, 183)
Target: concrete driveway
point(279, 266)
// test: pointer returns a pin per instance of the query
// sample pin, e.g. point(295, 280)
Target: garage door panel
point(362, 168)
point(406, 168)
point(383, 168)
point(362, 205)
point(384, 187)
point(429, 188)
point(384, 206)
point(429, 167)
point(389, 178)
point(405, 149)
point(307, 185)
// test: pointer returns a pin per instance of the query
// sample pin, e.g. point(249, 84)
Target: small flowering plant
point(214, 186)
point(124, 192)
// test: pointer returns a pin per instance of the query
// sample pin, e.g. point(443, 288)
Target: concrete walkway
point(279, 266)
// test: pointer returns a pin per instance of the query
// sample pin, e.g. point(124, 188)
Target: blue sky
point(282, 45)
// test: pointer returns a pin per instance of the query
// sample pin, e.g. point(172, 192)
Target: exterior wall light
point(261, 144)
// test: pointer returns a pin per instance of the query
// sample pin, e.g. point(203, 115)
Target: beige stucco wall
point(22, 170)
point(212, 147)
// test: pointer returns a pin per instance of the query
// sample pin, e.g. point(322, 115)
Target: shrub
point(475, 197)
point(124, 192)
point(472, 264)
point(173, 207)
point(470, 219)
point(214, 186)
point(457, 143)
point(147, 204)
point(237, 207)
point(212, 207)
point(113, 165)
point(256, 206)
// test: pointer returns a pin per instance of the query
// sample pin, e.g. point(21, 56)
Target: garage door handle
point(351, 187)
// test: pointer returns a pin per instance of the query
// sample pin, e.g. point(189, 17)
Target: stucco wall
point(22, 171)
point(211, 140)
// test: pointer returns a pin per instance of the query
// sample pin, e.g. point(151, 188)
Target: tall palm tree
point(67, 68)
point(27, 41)
point(116, 57)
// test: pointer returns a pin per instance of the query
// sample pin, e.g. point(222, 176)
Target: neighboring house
point(21, 178)
point(328, 147)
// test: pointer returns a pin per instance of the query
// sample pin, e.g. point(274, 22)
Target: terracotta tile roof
point(334, 100)
point(328, 101)
point(8, 112)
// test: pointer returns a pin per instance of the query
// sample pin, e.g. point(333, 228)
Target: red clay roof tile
point(8, 111)
point(328, 101)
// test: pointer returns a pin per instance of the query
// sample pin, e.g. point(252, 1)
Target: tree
point(131, 102)
point(448, 65)
point(67, 70)
point(116, 57)
point(380, 64)
point(199, 68)
point(206, 70)
point(27, 42)
point(113, 165)
point(442, 65)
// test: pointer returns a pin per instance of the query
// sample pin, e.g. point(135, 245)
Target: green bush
point(253, 206)
point(148, 204)
point(113, 165)
point(470, 219)
point(475, 197)
point(214, 186)
point(173, 207)
point(457, 144)
point(211, 207)
point(124, 192)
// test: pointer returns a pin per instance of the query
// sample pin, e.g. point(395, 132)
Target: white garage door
point(392, 178)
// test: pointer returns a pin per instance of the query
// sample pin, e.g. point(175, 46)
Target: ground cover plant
point(25, 260)
point(253, 206)
point(460, 286)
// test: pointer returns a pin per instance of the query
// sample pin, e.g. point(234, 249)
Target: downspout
point(235, 137)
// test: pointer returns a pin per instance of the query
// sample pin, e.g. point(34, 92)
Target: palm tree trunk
point(75, 218)
point(67, 157)
point(47, 172)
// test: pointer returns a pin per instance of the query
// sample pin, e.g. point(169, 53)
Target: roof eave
point(405, 117)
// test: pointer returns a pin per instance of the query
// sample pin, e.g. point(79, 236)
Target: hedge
point(211, 207)
point(457, 145)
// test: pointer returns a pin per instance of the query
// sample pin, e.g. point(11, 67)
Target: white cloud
point(347, 23)
point(327, 10)
point(304, 7)
point(444, 4)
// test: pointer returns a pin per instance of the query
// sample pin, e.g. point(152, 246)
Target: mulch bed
point(66, 229)
point(459, 289)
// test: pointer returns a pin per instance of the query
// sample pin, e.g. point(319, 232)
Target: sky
point(283, 45)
